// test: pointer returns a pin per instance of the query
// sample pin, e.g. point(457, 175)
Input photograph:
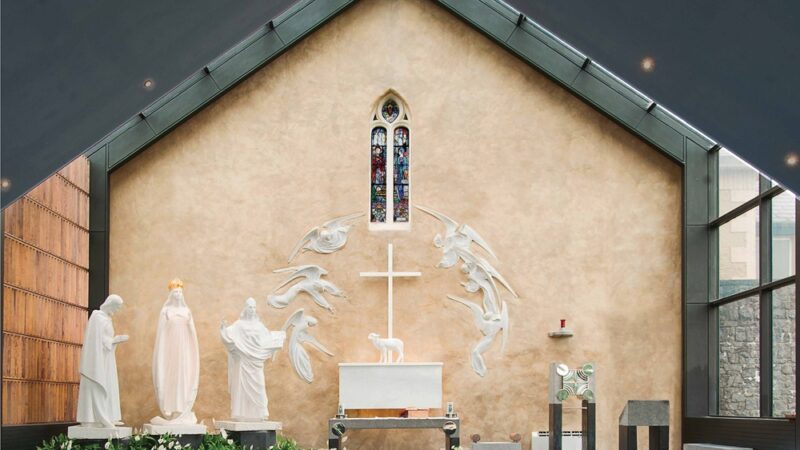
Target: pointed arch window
point(390, 165)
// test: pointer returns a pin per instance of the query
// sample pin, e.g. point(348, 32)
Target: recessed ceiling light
point(792, 159)
point(148, 84)
point(648, 64)
point(5, 183)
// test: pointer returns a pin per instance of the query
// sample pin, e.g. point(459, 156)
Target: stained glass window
point(390, 110)
point(378, 192)
point(401, 174)
point(389, 184)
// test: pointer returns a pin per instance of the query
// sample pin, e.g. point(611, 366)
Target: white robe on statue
point(249, 344)
point(98, 394)
point(176, 362)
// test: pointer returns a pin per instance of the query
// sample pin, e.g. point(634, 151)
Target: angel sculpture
point(456, 240)
point(481, 276)
point(301, 362)
point(326, 238)
point(489, 324)
point(312, 284)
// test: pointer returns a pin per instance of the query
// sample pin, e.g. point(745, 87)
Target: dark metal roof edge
point(519, 34)
point(591, 82)
point(202, 88)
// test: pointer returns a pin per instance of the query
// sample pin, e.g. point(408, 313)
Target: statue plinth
point(232, 425)
point(261, 434)
point(98, 433)
point(175, 429)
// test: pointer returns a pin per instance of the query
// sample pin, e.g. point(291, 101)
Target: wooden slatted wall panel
point(45, 298)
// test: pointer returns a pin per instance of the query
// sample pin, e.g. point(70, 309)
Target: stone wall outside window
point(739, 379)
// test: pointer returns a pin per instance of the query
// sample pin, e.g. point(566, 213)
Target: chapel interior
point(399, 224)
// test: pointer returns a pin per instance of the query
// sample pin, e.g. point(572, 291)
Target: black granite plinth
point(101, 442)
point(260, 440)
point(190, 439)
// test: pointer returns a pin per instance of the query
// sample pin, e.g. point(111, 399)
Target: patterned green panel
point(247, 60)
point(182, 105)
point(129, 142)
point(543, 56)
point(482, 16)
point(662, 136)
point(608, 100)
point(696, 184)
point(307, 18)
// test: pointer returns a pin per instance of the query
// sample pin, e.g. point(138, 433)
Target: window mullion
point(713, 285)
point(390, 174)
point(765, 299)
point(765, 354)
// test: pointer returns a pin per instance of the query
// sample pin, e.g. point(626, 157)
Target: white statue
point(489, 324)
point(312, 284)
point(386, 345)
point(457, 239)
point(176, 360)
point(297, 353)
point(326, 238)
point(249, 343)
point(98, 394)
point(481, 276)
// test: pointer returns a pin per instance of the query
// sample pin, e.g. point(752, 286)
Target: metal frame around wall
point(569, 68)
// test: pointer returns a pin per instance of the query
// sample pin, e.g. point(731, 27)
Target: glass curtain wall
point(754, 296)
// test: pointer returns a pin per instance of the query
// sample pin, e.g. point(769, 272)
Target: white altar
point(390, 386)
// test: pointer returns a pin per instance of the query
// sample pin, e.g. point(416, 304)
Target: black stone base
point(190, 439)
point(102, 442)
point(260, 440)
point(659, 437)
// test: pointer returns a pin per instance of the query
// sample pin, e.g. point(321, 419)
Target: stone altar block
point(390, 386)
point(259, 435)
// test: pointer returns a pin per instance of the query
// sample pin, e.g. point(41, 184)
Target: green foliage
point(59, 442)
point(164, 442)
point(285, 444)
point(219, 442)
point(151, 442)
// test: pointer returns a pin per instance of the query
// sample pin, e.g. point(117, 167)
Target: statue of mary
point(176, 360)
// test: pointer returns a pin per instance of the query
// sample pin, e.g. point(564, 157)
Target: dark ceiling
point(730, 68)
point(74, 71)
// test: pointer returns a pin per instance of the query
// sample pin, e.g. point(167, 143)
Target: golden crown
point(175, 283)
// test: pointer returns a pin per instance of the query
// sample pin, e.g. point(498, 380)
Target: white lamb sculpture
point(385, 345)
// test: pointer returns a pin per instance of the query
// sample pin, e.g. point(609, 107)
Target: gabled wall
point(584, 217)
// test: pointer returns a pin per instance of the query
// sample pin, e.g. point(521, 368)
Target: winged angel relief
point(311, 284)
point(327, 238)
point(302, 322)
point(492, 318)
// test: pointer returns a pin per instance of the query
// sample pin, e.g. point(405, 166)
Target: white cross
point(390, 274)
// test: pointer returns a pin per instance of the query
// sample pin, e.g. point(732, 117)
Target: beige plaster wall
point(584, 217)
